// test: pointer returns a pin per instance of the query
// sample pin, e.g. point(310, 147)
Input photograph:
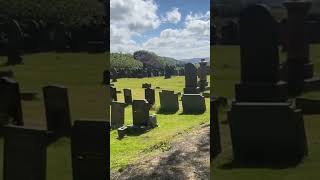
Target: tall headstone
point(149, 95)
point(168, 101)
point(25, 153)
point(11, 100)
point(117, 114)
point(127, 96)
point(259, 58)
point(298, 59)
point(57, 110)
point(140, 111)
point(113, 94)
point(191, 84)
point(89, 147)
point(15, 41)
point(264, 126)
point(203, 83)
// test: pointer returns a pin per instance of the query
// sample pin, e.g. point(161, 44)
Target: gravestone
point(117, 114)
point(11, 100)
point(89, 147)
point(168, 101)
point(191, 86)
point(127, 96)
point(203, 83)
point(15, 41)
point(57, 110)
point(25, 153)
point(229, 33)
point(113, 94)
point(193, 103)
point(146, 85)
point(140, 112)
point(298, 59)
point(259, 59)
point(149, 95)
point(265, 128)
point(167, 72)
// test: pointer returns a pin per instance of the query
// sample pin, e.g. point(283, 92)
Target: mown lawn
point(133, 148)
point(226, 72)
point(81, 73)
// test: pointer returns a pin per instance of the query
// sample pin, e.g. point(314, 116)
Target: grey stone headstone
point(150, 95)
point(117, 114)
point(140, 111)
point(191, 79)
point(127, 96)
point(193, 103)
point(11, 100)
point(89, 146)
point(57, 109)
point(168, 101)
point(25, 153)
point(113, 94)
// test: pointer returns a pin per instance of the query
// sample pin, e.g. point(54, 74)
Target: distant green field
point(81, 73)
point(132, 148)
point(225, 73)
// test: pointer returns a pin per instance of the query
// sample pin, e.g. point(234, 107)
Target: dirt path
point(188, 158)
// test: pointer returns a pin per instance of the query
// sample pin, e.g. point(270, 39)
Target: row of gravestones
point(141, 73)
point(265, 126)
point(37, 36)
point(229, 32)
point(25, 148)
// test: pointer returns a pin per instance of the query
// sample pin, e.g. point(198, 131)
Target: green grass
point(226, 72)
point(133, 148)
point(81, 73)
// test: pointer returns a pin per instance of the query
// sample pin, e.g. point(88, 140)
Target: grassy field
point(133, 148)
point(225, 73)
point(82, 75)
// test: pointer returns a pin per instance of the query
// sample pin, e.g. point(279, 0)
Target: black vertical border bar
point(107, 39)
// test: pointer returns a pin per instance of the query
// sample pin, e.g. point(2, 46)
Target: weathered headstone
point(193, 103)
point(146, 85)
point(203, 83)
point(191, 85)
point(11, 100)
point(57, 110)
point(15, 39)
point(264, 126)
point(150, 95)
point(25, 151)
point(89, 147)
point(168, 101)
point(117, 114)
point(127, 96)
point(140, 111)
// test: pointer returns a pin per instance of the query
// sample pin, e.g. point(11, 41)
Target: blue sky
point(173, 28)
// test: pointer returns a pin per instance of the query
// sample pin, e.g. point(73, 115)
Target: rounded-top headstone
point(259, 45)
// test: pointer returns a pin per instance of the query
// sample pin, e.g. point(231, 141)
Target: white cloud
point(193, 40)
point(129, 18)
point(173, 16)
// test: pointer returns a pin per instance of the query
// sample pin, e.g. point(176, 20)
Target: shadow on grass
point(193, 113)
point(167, 112)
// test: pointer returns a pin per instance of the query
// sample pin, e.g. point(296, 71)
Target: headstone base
point(261, 92)
point(267, 132)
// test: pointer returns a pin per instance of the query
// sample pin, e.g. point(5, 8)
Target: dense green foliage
point(71, 12)
point(125, 61)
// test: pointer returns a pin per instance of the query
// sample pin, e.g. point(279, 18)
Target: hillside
point(135, 61)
